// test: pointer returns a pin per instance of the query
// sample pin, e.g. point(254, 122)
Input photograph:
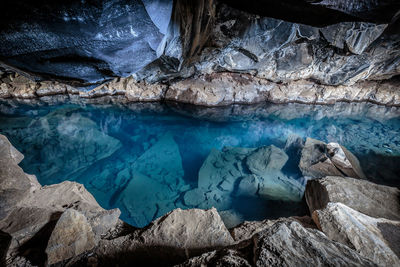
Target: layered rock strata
point(217, 89)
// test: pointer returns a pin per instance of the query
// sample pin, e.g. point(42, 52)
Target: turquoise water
point(148, 159)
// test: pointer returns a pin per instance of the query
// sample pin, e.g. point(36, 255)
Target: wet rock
point(319, 159)
point(374, 200)
point(266, 159)
point(71, 236)
point(231, 218)
point(143, 198)
point(289, 244)
point(375, 239)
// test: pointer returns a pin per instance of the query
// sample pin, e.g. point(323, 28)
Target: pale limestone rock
point(375, 239)
point(188, 231)
point(374, 200)
point(71, 236)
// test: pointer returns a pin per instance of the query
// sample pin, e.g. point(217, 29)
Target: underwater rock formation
point(319, 159)
point(34, 225)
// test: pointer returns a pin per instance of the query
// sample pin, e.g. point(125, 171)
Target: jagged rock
point(290, 244)
point(31, 214)
point(14, 183)
point(188, 230)
point(319, 159)
point(356, 36)
point(374, 200)
point(71, 236)
point(225, 257)
point(248, 229)
point(375, 239)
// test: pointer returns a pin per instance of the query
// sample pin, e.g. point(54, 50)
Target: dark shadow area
point(304, 12)
point(34, 248)
point(381, 169)
point(5, 240)
point(391, 233)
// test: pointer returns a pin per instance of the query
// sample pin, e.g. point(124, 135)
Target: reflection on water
point(148, 159)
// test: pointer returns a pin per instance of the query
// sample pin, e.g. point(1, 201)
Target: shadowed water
point(148, 159)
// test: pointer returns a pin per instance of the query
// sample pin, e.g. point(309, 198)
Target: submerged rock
point(319, 159)
point(71, 236)
point(374, 200)
point(375, 239)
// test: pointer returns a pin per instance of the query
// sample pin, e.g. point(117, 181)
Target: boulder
point(375, 239)
point(287, 243)
point(71, 236)
point(374, 200)
point(266, 159)
point(319, 159)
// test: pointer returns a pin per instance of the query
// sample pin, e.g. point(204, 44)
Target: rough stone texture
point(220, 258)
point(248, 229)
point(217, 89)
point(71, 236)
point(376, 239)
point(319, 159)
point(31, 211)
point(290, 244)
point(374, 200)
point(188, 230)
point(88, 43)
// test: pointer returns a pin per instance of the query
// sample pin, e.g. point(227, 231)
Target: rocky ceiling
point(88, 42)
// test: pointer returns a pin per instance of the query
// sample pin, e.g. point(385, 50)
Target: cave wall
point(331, 42)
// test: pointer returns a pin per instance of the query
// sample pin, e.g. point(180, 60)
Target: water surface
point(148, 159)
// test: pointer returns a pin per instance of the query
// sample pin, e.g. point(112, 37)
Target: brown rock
point(71, 236)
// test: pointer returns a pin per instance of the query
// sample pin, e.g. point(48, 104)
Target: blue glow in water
point(148, 159)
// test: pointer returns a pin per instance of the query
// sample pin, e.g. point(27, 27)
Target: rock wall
point(204, 52)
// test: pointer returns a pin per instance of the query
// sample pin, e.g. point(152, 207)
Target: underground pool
point(149, 158)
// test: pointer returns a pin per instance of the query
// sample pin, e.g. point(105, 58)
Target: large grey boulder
point(319, 159)
point(290, 244)
point(375, 239)
point(71, 236)
point(374, 200)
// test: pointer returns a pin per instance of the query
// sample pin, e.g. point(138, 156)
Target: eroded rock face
point(375, 239)
point(374, 200)
point(319, 159)
point(71, 236)
point(290, 244)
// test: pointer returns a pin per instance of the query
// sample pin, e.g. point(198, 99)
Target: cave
point(200, 133)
